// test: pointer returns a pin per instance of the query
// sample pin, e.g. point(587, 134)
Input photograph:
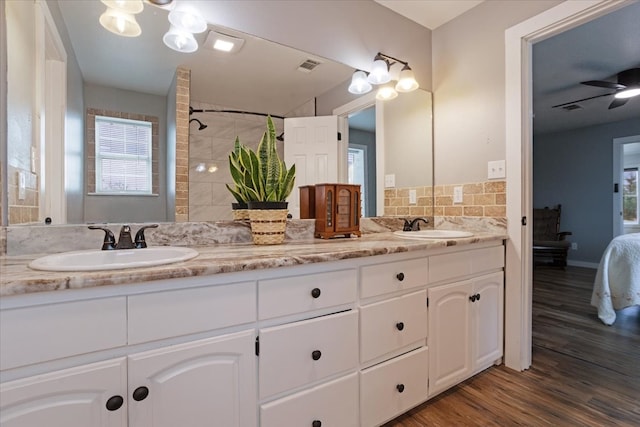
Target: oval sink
point(94, 260)
point(433, 234)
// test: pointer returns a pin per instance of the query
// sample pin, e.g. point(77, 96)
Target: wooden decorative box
point(337, 209)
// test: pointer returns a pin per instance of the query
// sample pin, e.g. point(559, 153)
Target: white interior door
point(311, 143)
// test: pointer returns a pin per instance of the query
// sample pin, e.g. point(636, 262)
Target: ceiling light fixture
point(120, 22)
point(223, 42)
point(181, 41)
point(629, 92)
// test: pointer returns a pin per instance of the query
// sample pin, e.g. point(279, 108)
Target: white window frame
point(637, 195)
point(123, 156)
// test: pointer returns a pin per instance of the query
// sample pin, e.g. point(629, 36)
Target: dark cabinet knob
point(316, 423)
point(316, 355)
point(140, 393)
point(400, 326)
point(114, 403)
point(400, 276)
point(400, 388)
point(477, 297)
point(315, 292)
point(472, 298)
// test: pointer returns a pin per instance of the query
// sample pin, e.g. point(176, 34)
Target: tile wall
point(183, 84)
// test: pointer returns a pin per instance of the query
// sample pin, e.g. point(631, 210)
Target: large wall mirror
point(108, 75)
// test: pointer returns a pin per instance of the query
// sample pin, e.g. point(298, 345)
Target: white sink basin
point(94, 260)
point(433, 234)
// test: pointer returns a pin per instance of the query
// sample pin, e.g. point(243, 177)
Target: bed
point(617, 283)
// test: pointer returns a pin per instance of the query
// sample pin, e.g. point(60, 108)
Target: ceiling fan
point(627, 87)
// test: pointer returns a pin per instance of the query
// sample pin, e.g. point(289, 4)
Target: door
point(311, 143)
point(210, 383)
point(449, 337)
point(77, 396)
point(488, 316)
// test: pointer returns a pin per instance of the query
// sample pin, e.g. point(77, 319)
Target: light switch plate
point(457, 194)
point(390, 180)
point(496, 169)
point(413, 199)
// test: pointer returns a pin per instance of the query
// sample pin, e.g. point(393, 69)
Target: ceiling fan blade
point(602, 83)
point(583, 99)
point(617, 102)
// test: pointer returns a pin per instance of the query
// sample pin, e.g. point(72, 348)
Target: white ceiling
point(430, 13)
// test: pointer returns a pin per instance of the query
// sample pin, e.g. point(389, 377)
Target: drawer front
point(37, 334)
point(393, 387)
point(290, 295)
point(287, 352)
point(393, 276)
point(173, 313)
point(392, 324)
point(333, 404)
point(461, 264)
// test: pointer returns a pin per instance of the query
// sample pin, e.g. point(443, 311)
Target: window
point(123, 156)
point(630, 196)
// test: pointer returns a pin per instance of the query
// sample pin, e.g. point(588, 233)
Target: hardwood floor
point(584, 373)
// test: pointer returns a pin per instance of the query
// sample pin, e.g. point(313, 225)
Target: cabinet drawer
point(333, 404)
point(393, 276)
point(393, 387)
point(392, 324)
point(290, 295)
point(172, 313)
point(287, 352)
point(37, 334)
point(461, 264)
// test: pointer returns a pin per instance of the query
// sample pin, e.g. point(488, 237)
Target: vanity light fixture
point(407, 81)
point(379, 71)
point(359, 83)
point(223, 42)
point(187, 20)
point(181, 41)
point(386, 92)
point(120, 20)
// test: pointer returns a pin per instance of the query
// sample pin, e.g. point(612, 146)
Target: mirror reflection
point(136, 78)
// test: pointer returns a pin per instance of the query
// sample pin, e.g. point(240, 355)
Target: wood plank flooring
point(584, 373)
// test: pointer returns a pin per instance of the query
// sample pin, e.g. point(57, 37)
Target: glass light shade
point(359, 84)
point(126, 6)
point(181, 41)
point(407, 81)
point(187, 20)
point(628, 93)
point(386, 93)
point(379, 72)
point(120, 23)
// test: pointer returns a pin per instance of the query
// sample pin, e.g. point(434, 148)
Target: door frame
point(618, 169)
point(519, 41)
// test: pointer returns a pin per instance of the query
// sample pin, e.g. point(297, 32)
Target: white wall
point(469, 88)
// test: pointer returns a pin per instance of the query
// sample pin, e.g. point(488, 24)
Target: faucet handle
point(139, 239)
point(407, 225)
point(109, 242)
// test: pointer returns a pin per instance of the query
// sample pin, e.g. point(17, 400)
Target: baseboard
point(585, 264)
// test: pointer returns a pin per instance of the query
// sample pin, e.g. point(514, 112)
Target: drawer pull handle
point(315, 292)
point(400, 276)
point(316, 355)
point(400, 326)
point(316, 423)
point(472, 298)
point(114, 403)
point(140, 393)
point(400, 388)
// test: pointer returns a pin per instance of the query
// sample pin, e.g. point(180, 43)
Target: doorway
point(361, 160)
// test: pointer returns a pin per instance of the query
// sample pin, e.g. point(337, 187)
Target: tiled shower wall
point(183, 84)
point(479, 200)
point(22, 210)
point(209, 199)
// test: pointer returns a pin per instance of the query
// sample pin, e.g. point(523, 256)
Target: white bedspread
point(617, 283)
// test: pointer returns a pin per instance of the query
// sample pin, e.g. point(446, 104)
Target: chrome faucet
point(124, 239)
point(414, 224)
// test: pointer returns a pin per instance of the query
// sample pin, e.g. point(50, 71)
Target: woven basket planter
point(268, 225)
point(240, 211)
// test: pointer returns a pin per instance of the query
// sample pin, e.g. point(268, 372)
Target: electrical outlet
point(389, 180)
point(496, 169)
point(457, 194)
point(413, 199)
point(574, 246)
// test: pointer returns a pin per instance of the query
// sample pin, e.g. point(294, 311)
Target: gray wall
point(575, 169)
point(130, 208)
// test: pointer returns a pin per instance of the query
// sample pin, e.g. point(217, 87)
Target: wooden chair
point(549, 244)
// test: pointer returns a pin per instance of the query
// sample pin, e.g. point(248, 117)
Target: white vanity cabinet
point(465, 329)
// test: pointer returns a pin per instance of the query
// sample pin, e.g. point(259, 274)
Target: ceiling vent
point(572, 107)
point(308, 65)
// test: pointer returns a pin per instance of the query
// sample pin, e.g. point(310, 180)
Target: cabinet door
point(449, 338)
point(488, 320)
point(210, 382)
point(71, 397)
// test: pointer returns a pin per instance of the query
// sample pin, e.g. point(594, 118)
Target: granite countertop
point(17, 278)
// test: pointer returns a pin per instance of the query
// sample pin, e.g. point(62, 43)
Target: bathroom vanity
point(342, 333)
